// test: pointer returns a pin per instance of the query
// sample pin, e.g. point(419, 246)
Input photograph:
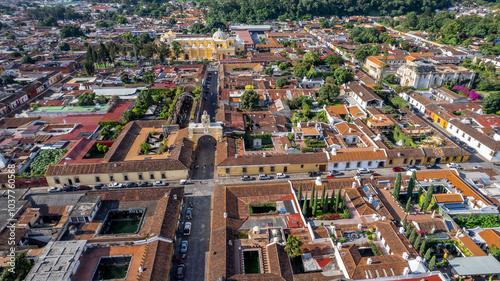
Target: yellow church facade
point(204, 48)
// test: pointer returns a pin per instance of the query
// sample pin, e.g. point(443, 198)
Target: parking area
point(200, 196)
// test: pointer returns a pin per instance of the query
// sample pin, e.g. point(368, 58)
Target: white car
point(54, 189)
point(281, 176)
point(451, 165)
point(115, 185)
point(364, 171)
point(187, 228)
point(159, 183)
point(264, 177)
point(184, 246)
point(478, 167)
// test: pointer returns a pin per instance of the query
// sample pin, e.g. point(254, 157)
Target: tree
point(144, 147)
point(432, 263)
point(249, 100)
point(64, 47)
point(397, 187)
point(427, 254)
point(305, 206)
point(299, 194)
point(6, 79)
point(102, 54)
point(337, 200)
point(405, 222)
point(422, 247)
point(428, 197)
point(334, 60)
point(164, 51)
point(331, 202)
point(144, 100)
point(413, 235)
point(492, 101)
point(177, 49)
point(89, 67)
point(121, 20)
point(315, 204)
point(328, 93)
point(408, 206)
point(312, 58)
point(391, 78)
point(293, 245)
point(101, 99)
point(128, 116)
point(389, 110)
point(269, 71)
point(27, 60)
point(342, 76)
point(280, 83)
point(21, 268)
point(70, 31)
point(148, 77)
point(86, 99)
point(494, 251)
point(300, 70)
point(16, 54)
point(411, 186)
point(322, 203)
point(417, 242)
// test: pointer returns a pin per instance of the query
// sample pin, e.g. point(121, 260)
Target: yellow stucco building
point(195, 47)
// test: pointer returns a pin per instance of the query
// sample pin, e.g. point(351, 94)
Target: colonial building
point(421, 75)
point(195, 47)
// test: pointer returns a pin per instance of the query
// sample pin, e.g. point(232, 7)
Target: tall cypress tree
point(432, 263)
point(337, 200)
point(417, 242)
point(408, 203)
point(413, 235)
point(323, 196)
point(428, 197)
point(299, 197)
point(343, 203)
point(428, 254)
point(397, 187)
point(313, 191)
point(315, 204)
point(411, 186)
point(326, 204)
point(422, 247)
point(305, 206)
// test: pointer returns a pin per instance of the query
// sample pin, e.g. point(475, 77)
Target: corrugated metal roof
point(475, 265)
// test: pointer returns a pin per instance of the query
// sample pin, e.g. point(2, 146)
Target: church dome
point(219, 34)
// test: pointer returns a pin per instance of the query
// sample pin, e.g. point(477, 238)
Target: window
point(451, 127)
point(468, 139)
point(163, 176)
point(272, 169)
point(261, 169)
point(348, 165)
point(301, 166)
point(57, 181)
point(390, 162)
point(77, 180)
point(405, 161)
point(369, 163)
point(457, 131)
point(463, 135)
point(125, 177)
point(454, 159)
point(111, 178)
point(429, 159)
point(152, 176)
point(227, 171)
point(335, 165)
point(140, 177)
point(358, 165)
point(97, 179)
point(447, 158)
point(244, 169)
point(478, 145)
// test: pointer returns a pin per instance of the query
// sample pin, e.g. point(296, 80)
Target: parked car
point(184, 246)
point(143, 184)
point(431, 166)
point(452, 165)
point(496, 163)
point(412, 168)
point(478, 167)
point(189, 213)
point(181, 270)
point(99, 186)
point(83, 187)
point(281, 176)
point(335, 173)
point(115, 185)
point(398, 169)
point(54, 189)
point(131, 184)
point(313, 174)
point(187, 228)
point(364, 171)
point(160, 183)
point(69, 188)
point(376, 174)
point(247, 178)
point(264, 177)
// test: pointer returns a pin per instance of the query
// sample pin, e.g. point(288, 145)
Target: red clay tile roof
point(491, 237)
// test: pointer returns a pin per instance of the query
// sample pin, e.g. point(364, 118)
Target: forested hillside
point(257, 11)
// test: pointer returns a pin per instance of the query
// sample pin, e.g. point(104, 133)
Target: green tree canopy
point(293, 245)
point(249, 100)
